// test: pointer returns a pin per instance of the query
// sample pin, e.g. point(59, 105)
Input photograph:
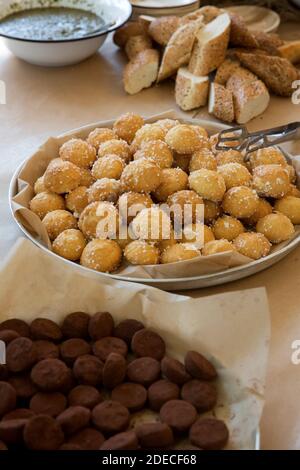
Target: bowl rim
point(84, 38)
point(187, 4)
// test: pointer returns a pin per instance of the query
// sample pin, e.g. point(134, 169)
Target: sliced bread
point(162, 29)
point(191, 92)
point(136, 44)
point(141, 71)
point(221, 103)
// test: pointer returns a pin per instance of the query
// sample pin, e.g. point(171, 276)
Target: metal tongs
point(238, 138)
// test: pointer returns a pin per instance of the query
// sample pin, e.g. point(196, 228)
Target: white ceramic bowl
point(68, 51)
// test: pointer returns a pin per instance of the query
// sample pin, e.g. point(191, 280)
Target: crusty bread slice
point(277, 73)
point(238, 78)
point(162, 29)
point(191, 92)
point(291, 51)
point(136, 44)
point(179, 49)
point(209, 13)
point(221, 103)
point(240, 35)
point(141, 71)
point(268, 42)
point(132, 28)
point(210, 47)
point(226, 69)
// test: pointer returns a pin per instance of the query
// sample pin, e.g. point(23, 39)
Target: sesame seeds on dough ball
point(108, 225)
point(201, 131)
point(203, 159)
point(79, 152)
point(240, 202)
point(101, 255)
point(62, 176)
point(183, 139)
point(77, 200)
point(208, 184)
point(69, 244)
point(227, 227)
point(172, 180)
point(116, 147)
point(158, 151)
point(152, 225)
point(100, 135)
point(267, 156)
point(180, 252)
point(86, 177)
point(275, 227)
point(167, 124)
point(39, 186)
point(235, 174)
point(110, 166)
point(57, 221)
point(131, 203)
point(271, 181)
point(212, 210)
point(127, 126)
point(140, 252)
point(186, 197)
point(91, 215)
point(251, 244)
point(147, 133)
point(141, 176)
point(289, 206)
point(105, 189)
point(292, 173)
point(198, 234)
point(229, 156)
point(45, 202)
point(293, 191)
point(263, 208)
point(217, 246)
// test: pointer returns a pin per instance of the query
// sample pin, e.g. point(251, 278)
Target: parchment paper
point(231, 329)
point(36, 165)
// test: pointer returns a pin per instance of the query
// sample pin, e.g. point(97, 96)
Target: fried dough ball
point(77, 200)
point(180, 252)
point(263, 208)
point(105, 189)
point(293, 191)
point(86, 177)
point(127, 126)
point(208, 184)
point(167, 124)
point(201, 131)
point(79, 152)
point(203, 159)
point(292, 173)
point(45, 202)
point(224, 157)
point(141, 176)
point(116, 147)
point(271, 181)
point(101, 255)
point(39, 186)
point(183, 139)
point(267, 156)
point(235, 174)
point(62, 176)
point(57, 221)
point(148, 132)
point(92, 215)
point(172, 180)
point(251, 244)
point(100, 135)
point(289, 206)
point(181, 161)
point(152, 225)
point(189, 198)
point(110, 166)
point(275, 227)
point(130, 204)
point(158, 151)
point(141, 252)
point(240, 202)
point(69, 244)
point(217, 246)
point(108, 225)
point(212, 210)
point(198, 234)
point(164, 244)
point(227, 227)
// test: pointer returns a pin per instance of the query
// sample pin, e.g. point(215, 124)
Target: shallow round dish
point(257, 18)
point(56, 53)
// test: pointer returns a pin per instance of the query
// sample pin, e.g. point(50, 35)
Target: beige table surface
point(43, 102)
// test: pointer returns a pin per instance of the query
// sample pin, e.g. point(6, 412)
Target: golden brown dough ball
point(141, 176)
point(39, 186)
point(130, 204)
point(46, 202)
point(224, 157)
point(100, 135)
point(183, 139)
point(227, 227)
point(57, 221)
point(91, 215)
point(86, 178)
point(289, 206)
point(62, 176)
point(116, 147)
point(108, 225)
point(101, 255)
point(293, 191)
point(152, 225)
point(212, 210)
point(271, 180)
point(79, 152)
point(127, 126)
point(292, 173)
point(251, 244)
point(105, 189)
point(140, 252)
point(167, 124)
point(164, 244)
point(187, 197)
point(235, 174)
point(110, 166)
point(148, 132)
point(198, 234)
point(201, 131)
point(267, 156)
point(158, 151)
point(180, 252)
point(275, 227)
point(240, 202)
point(69, 244)
point(203, 159)
point(208, 184)
point(181, 161)
point(263, 208)
point(77, 200)
point(217, 246)
point(172, 180)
